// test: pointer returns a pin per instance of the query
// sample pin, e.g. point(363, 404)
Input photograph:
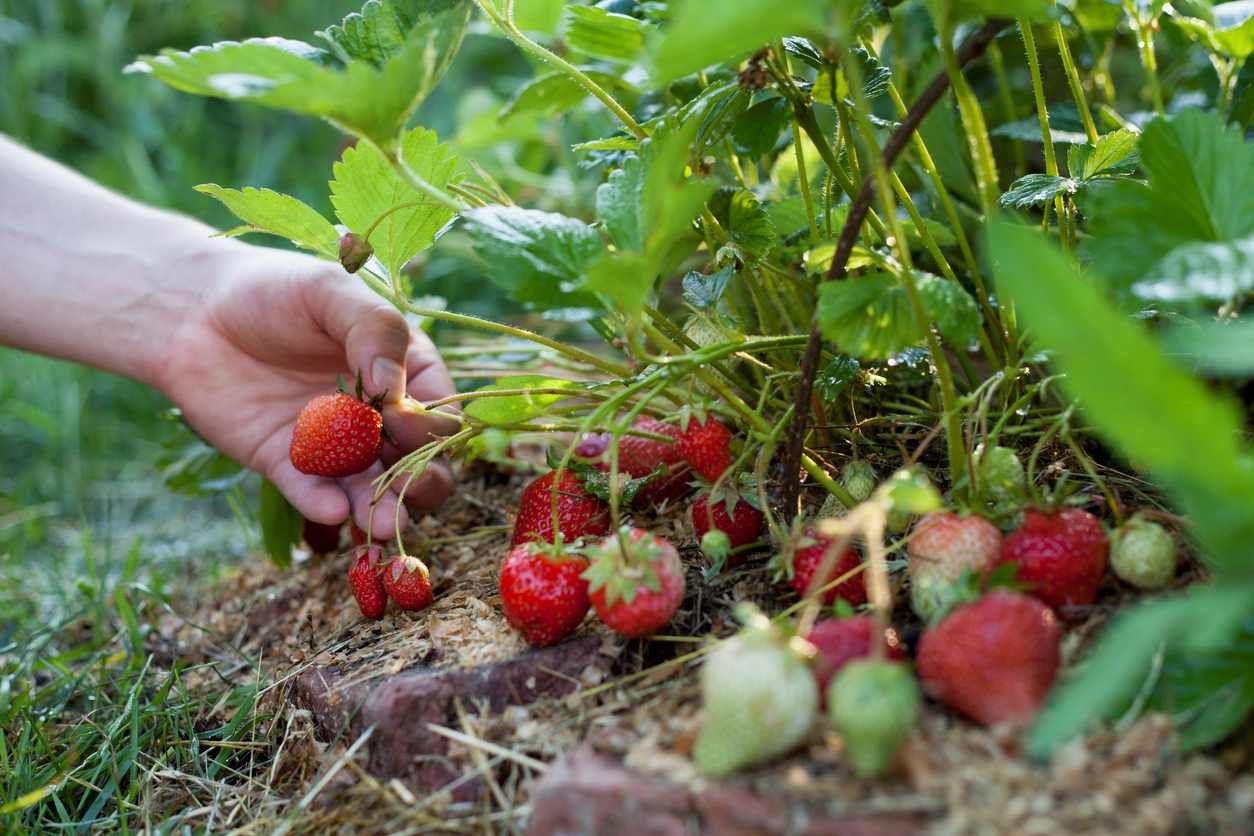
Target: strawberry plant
point(795, 244)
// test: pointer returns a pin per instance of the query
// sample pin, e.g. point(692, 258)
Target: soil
point(447, 720)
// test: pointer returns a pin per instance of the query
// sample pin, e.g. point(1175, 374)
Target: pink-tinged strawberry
point(993, 660)
point(636, 581)
point(336, 435)
point(841, 640)
point(579, 513)
point(809, 558)
point(543, 593)
point(366, 582)
point(408, 582)
point(1061, 555)
point(320, 538)
point(1143, 553)
point(943, 547)
point(742, 523)
point(706, 447)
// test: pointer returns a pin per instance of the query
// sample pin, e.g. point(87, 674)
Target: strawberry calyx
point(403, 563)
point(596, 479)
point(973, 585)
point(623, 563)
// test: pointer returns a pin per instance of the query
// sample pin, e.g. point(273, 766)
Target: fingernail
point(388, 376)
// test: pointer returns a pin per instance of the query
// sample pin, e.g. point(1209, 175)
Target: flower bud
point(354, 251)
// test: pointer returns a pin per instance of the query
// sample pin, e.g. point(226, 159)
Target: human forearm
point(89, 275)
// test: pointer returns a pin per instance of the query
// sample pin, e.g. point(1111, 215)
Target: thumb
point(375, 335)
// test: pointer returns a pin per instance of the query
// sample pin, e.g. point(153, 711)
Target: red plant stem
point(972, 49)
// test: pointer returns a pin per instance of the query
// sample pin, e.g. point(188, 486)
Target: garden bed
point(448, 713)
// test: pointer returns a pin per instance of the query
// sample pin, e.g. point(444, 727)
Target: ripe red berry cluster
point(403, 578)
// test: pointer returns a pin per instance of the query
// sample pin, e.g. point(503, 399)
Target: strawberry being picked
point(993, 660)
point(636, 581)
point(809, 558)
point(336, 435)
point(945, 546)
point(408, 582)
point(579, 513)
point(543, 592)
point(1061, 555)
point(366, 582)
point(706, 446)
point(321, 539)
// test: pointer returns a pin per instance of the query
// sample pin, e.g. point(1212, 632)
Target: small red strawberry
point(993, 660)
point(408, 582)
point(357, 535)
point(807, 560)
point(543, 592)
point(742, 524)
point(336, 435)
point(1061, 556)
point(579, 513)
point(639, 457)
point(636, 581)
point(943, 547)
point(841, 640)
point(706, 447)
point(321, 539)
point(367, 585)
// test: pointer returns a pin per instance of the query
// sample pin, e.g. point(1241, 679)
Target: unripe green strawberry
point(874, 704)
point(355, 251)
point(1143, 554)
point(760, 700)
point(1002, 478)
point(716, 545)
point(858, 478)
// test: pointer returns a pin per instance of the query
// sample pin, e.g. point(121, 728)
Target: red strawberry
point(579, 513)
point(638, 457)
point(943, 547)
point(363, 577)
point(357, 535)
point(543, 593)
point(336, 435)
point(635, 593)
point(706, 447)
point(841, 640)
point(1061, 556)
point(321, 539)
point(809, 557)
point(993, 660)
point(408, 582)
point(742, 526)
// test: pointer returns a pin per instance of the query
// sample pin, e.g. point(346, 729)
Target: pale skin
point(238, 336)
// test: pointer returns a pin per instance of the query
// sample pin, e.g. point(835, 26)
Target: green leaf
point(705, 32)
point(1222, 348)
point(1064, 128)
point(871, 316)
point(368, 100)
point(757, 130)
point(1114, 153)
point(1112, 673)
point(1035, 189)
point(602, 34)
point(1201, 189)
point(745, 220)
point(955, 11)
point(366, 186)
point(1215, 272)
point(1209, 695)
point(554, 92)
point(834, 378)
point(1228, 28)
point(876, 79)
point(381, 28)
point(624, 278)
point(704, 291)
point(537, 256)
point(1147, 407)
point(609, 143)
point(278, 214)
point(281, 525)
point(618, 204)
point(514, 409)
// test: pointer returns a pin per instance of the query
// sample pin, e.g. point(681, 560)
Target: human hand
point(272, 329)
